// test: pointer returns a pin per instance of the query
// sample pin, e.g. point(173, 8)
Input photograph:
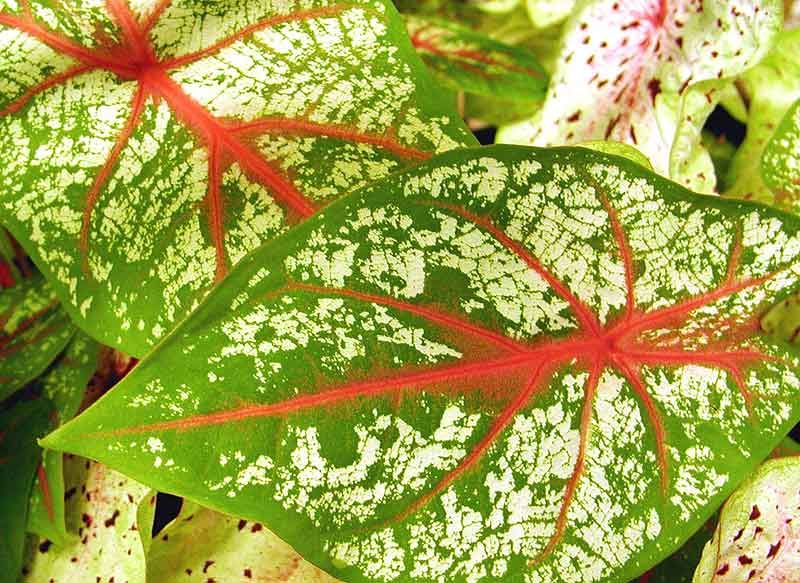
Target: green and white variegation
point(504, 364)
point(640, 72)
point(147, 146)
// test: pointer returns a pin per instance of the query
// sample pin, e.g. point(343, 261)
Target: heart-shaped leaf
point(20, 427)
point(142, 161)
point(757, 539)
point(105, 543)
point(201, 544)
point(506, 361)
point(626, 67)
point(64, 385)
point(780, 164)
point(33, 331)
point(771, 88)
point(464, 60)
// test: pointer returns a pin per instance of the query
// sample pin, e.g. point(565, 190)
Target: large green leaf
point(506, 361)
point(141, 162)
point(758, 536)
point(627, 70)
point(64, 385)
point(780, 164)
point(771, 88)
point(104, 544)
point(20, 426)
point(467, 61)
point(34, 329)
point(201, 544)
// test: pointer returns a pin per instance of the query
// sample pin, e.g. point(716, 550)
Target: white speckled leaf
point(20, 427)
point(506, 364)
point(141, 164)
point(757, 539)
point(464, 60)
point(104, 540)
point(780, 164)
point(34, 329)
point(201, 544)
point(64, 385)
point(626, 67)
point(771, 88)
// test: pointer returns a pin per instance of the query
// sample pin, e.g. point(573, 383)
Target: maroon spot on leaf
point(86, 519)
point(723, 569)
point(773, 549)
point(738, 535)
point(745, 560)
point(574, 117)
point(206, 566)
point(256, 527)
point(111, 521)
point(242, 524)
point(44, 546)
point(248, 573)
point(755, 513)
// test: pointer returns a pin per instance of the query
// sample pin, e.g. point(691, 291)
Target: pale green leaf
point(626, 69)
point(467, 61)
point(545, 13)
point(506, 363)
point(34, 329)
point(137, 173)
point(757, 538)
point(780, 164)
point(619, 149)
point(201, 544)
point(104, 541)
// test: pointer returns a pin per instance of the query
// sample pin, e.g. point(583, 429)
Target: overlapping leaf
point(34, 329)
point(64, 386)
point(20, 427)
point(771, 88)
point(202, 544)
point(105, 543)
point(758, 535)
point(627, 67)
point(505, 362)
point(781, 160)
point(466, 61)
point(147, 147)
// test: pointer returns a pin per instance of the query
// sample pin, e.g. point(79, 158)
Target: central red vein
point(47, 499)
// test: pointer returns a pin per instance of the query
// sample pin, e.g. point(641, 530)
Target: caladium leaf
point(34, 329)
point(619, 149)
point(201, 544)
point(780, 165)
point(64, 385)
point(464, 60)
point(506, 361)
point(545, 13)
point(625, 68)
point(771, 88)
point(20, 427)
point(143, 162)
point(105, 545)
point(757, 538)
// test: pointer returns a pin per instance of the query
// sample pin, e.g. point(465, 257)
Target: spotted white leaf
point(148, 146)
point(626, 69)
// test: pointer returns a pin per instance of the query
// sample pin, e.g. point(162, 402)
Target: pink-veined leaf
point(64, 385)
point(104, 542)
point(506, 362)
point(626, 69)
point(144, 160)
point(780, 163)
point(464, 60)
point(201, 544)
point(771, 88)
point(757, 539)
point(20, 427)
point(34, 329)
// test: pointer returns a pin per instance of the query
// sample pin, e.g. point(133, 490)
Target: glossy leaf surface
point(20, 427)
point(626, 67)
point(780, 164)
point(757, 539)
point(34, 329)
point(202, 544)
point(771, 88)
point(64, 385)
point(148, 146)
point(104, 542)
point(467, 61)
point(505, 363)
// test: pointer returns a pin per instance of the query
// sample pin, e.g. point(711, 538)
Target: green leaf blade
point(139, 173)
point(511, 362)
point(780, 163)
